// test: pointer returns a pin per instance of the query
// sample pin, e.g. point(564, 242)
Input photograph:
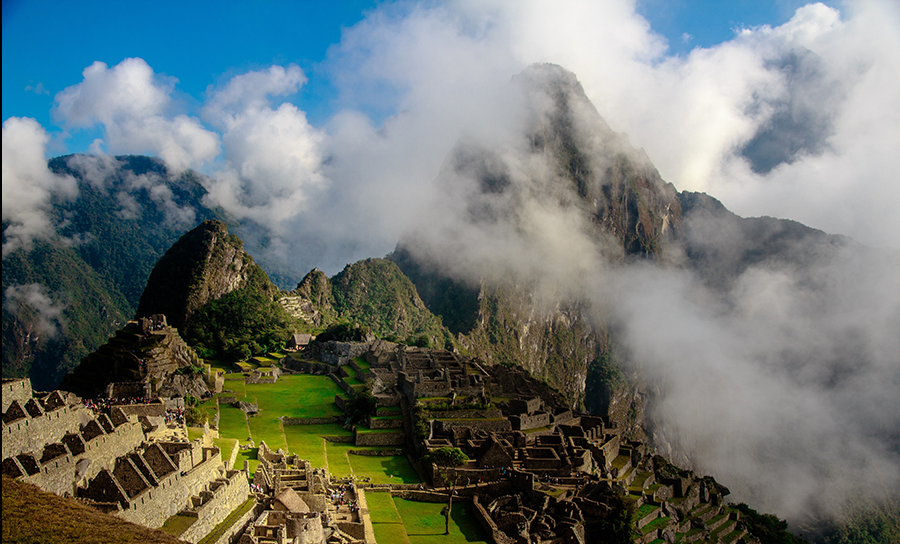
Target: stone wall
point(15, 389)
point(233, 533)
point(307, 367)
point(78, 456)
point(380, 439)
point(525, 422)
point(462, 414)
point(345, 387)
point(497, 536)
point(483, 424)
point(153, 505)
point(380, 423)
point(29, 430)
point(309, 420)
point(230, 494)
point(156, 409)
point(377, 453)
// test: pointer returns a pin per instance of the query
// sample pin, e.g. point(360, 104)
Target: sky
point(749, 101)
point(331, 128)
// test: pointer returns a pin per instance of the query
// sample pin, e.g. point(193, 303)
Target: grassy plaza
point(308, 396)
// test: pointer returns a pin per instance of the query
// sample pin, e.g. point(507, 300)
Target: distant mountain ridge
point(65, 297)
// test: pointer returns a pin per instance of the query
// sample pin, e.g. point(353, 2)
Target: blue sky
point(47, 44)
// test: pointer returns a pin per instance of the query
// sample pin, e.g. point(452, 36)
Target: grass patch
point(247, 455)
point(381, 508)
point(226, 445)
point(393, 469)
point(362, 363)
point(385, 519)
point(378, 431)
point(266, 427)
point(264, 361)
point(308, 441)
point(425, 525)
point(233, 423)
point(194, 433)
point(338, 461)
point(296, 395)
point(177, 524)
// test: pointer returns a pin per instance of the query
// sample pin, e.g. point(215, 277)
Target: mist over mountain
point(758, 350)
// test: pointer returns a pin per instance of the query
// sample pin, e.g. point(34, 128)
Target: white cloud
point(272, 155)
point(31, 303)
point(28, 185)
point(132, 103)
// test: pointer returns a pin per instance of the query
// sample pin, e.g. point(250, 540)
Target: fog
point(783, 383)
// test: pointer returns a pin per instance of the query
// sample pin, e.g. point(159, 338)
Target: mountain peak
point(204, 264)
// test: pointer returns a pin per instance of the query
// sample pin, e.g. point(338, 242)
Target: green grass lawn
point(194, 433)
point(233, 423)
point(425, 525)
point(362, 364)
point(393, 469)
point(247, 455)
point(226, 445)
point(385, 519)
point(296, 395)
point(266, 427)
point(307, 440)
point(264, 361)
point(338, 461)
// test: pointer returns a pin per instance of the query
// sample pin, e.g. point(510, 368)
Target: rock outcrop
point(205, 264)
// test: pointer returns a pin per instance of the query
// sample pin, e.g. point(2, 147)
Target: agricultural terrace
point(301, 396)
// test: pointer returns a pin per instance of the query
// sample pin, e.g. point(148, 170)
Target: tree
point(445, 459)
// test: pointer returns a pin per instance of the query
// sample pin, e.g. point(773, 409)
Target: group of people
point(175, 416)
point(338, 496)
point(104, 404)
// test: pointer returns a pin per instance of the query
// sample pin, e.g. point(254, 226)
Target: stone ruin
point(539, 472)
point(107, 461)
point(143, 359)
point(302, 505)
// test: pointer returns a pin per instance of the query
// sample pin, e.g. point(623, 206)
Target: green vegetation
point(766, 527)
point(384, 469)
point(385, 519)
point(344, 331)
point(360, 406)
point(245, 322)
point(193, 416)
point(425, 525)
point(446, 456)
point(868, 522)
point(376, 294)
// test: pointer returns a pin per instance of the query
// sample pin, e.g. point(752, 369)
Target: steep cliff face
point(569, 177)
point(614, 184)
point(204, 265)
